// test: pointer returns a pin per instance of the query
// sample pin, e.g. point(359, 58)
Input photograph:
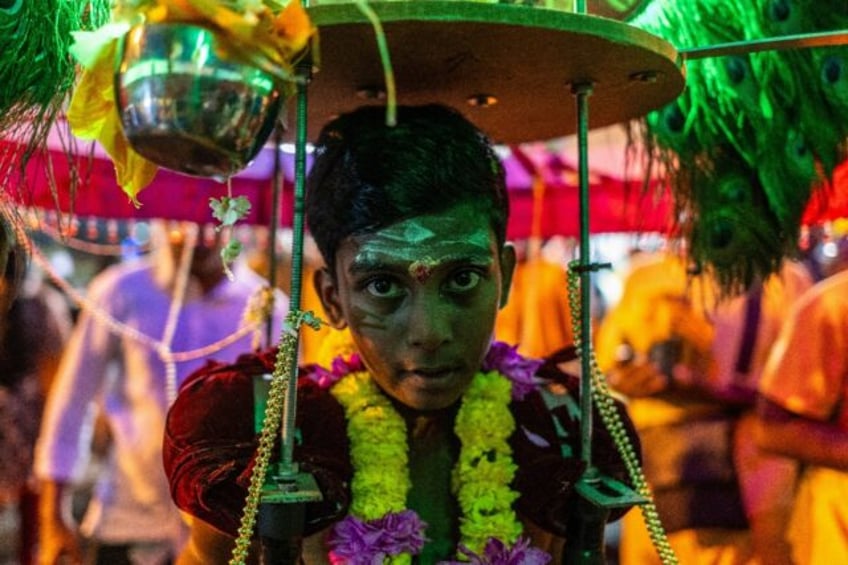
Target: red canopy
point(616, 205)
point(830, 202)
point(97, 194)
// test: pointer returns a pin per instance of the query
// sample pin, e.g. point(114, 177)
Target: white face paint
point(425, 242)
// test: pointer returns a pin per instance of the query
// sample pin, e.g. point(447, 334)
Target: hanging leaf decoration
point(228, 210)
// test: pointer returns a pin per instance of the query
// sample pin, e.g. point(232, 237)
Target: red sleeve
point(210, 444)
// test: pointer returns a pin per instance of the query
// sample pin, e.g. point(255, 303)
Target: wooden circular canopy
point(509, 68)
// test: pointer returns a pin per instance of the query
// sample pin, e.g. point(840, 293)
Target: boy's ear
point(507, 269)
point(327, 289)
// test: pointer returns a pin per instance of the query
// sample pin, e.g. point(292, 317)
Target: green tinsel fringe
point(778, 119)
point(36, 72)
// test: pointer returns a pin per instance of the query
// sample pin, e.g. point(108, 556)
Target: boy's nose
point(430, 322)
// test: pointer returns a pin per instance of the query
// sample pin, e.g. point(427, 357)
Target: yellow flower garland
point(482, 476)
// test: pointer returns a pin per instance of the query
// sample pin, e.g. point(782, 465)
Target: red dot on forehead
point(421, 269)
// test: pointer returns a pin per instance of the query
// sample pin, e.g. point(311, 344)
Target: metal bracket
point(591, 267)
point(607, 492)
point(291, 488)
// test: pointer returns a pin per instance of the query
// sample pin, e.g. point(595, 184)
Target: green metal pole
point(582, 92)
point(290, 406)
point(274, 226)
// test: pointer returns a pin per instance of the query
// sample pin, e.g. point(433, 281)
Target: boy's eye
point(383, 288)
point(463, 281)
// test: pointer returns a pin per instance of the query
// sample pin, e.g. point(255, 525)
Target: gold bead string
point(606, 405)
point(280, 382)
point(174, 309)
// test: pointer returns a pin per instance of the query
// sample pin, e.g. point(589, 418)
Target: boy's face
point(420, 298)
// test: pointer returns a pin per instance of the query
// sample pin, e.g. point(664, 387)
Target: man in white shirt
point(175, 302)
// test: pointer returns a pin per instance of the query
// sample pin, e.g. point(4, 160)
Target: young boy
point(429, 421)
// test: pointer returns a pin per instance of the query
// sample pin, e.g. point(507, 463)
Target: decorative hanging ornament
point(185, 107)
point(198, 86)
point(91, 230)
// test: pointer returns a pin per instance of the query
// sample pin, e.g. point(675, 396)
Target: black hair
point(367, 175)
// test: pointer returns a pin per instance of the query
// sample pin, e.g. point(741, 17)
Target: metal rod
point(274, 225)
point(287, 430)
point(582, 92)
point(798, 41)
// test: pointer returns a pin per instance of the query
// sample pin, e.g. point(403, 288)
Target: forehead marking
point(421, 269)
point(425, 242)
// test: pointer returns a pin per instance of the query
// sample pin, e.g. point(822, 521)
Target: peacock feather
point(769, 123)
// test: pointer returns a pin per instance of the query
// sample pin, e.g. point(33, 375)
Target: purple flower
point(497, 552)
point(520, 370)
point(339, 369)
point(356, 542)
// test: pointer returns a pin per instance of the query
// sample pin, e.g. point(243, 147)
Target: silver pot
point(185, 108)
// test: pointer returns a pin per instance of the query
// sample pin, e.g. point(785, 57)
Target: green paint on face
point(427, 239)
point(420, 298)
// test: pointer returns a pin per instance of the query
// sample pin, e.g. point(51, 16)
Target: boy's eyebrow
point(369, 263)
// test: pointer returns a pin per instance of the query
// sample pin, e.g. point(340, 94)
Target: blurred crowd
point(741, 402)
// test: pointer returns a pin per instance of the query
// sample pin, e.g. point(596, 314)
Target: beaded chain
point(177, 301)
point(280, 382)
point(612, 420)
